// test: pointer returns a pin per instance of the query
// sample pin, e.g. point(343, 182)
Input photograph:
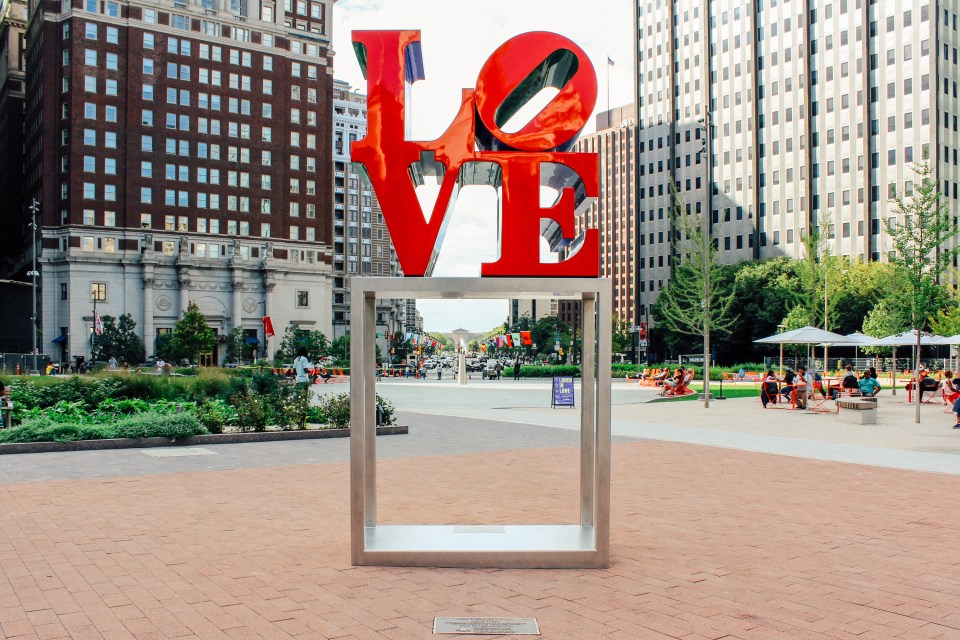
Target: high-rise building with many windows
point(361, 241)
point(774, 117)
point(613, 213)
point(180, 152)
point(13, 229)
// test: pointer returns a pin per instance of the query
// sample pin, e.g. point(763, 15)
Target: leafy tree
point(237, 346)
point(692, 303)
point(318, 347)
point(120, 340)
point(191, 336)
point(947, 321)
point(446, 344)
point(622, 338)
point(923, 226)
point(340, 349)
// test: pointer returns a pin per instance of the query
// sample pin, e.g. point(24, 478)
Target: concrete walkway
point(708, 542)
point(896, 441)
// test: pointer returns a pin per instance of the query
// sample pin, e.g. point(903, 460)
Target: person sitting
point(927, 382)
point(769, 391)
point(326, 375)
point(671, 384)
point(661, 377)
point(868, 385)
point(950, 390)
point(803, 386)
point(788, 379)
point(644, 374)
point(848, 384)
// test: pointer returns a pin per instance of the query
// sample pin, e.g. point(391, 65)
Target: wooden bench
point(859, 411)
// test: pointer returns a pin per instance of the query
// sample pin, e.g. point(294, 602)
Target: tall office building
point(814, 111)
point(13, 229)
point(614, 211)
point(180, 153)
point(361, 242)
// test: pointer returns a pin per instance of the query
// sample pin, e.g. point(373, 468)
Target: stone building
point(180, 152)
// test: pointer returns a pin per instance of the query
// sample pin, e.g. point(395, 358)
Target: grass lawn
point(729, 391)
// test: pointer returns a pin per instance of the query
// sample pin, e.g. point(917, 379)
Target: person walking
point(301, 364)
point(516, 368)
point(112, 364)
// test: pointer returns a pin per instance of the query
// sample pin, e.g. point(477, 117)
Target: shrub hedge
point(147, 425)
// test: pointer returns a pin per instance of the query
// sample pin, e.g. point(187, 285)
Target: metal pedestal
point(585, 544)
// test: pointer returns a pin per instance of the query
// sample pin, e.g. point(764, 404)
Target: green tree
point(318, 347)
point(340, 349)
point(120, 340)
point(237, 346)
point(622, 338)
point(947, 321)
point(191, 336)
point(922, 228)
point(446, 344)
point(692, 303)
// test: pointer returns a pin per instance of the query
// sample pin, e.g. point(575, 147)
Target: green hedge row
point(147, 425)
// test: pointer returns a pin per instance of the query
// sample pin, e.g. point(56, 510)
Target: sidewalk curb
point(213, 438)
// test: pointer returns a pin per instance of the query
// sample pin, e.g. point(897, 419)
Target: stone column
point(268, 286)
point(148, 330)
point(236, 319)
point(184, 282)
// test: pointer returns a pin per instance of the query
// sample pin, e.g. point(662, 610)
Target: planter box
point(212, 438)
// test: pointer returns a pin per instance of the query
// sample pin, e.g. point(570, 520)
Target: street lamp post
point(34, 208)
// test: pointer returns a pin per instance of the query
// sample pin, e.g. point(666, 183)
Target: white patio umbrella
point(908, 338)
point(857, 340)
point(804, 335)
point(905, 339)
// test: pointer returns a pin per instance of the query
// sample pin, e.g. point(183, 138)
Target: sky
point(456, 39)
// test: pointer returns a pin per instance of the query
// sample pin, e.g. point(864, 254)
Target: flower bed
point(111, 406)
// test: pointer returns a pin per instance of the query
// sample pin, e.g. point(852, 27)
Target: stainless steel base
point(576, 545)
point(520, 546)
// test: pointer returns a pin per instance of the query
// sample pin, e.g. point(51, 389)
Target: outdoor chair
point(932, 394)
point(948, 398)
point(774, 399)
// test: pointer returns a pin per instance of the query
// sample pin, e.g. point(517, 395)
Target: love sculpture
point(516, 162)
point(476, 150)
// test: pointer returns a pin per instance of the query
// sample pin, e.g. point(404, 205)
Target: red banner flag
point(509, 339)
point(525, 336)
point(267, 326)
point(97, 323)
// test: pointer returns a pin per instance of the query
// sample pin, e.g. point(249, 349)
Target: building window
point(63, 290)
point(303, 299)
point(98, 291)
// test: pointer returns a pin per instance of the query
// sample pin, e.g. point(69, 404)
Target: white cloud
point(456, 39)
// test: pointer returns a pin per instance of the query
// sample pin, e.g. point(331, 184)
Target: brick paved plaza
point(252, 541)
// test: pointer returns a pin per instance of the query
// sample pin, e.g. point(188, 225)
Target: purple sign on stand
point(562, 392)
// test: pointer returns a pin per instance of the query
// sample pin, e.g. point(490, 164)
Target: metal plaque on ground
point(487, 626)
